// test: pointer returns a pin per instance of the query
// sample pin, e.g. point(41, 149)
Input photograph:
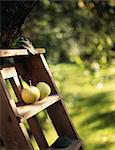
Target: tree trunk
point(13, 14)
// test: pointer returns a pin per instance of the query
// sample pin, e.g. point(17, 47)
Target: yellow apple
point(30, 95)
point(44, 89)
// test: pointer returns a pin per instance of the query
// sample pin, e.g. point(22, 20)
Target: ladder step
point(18, 52)
point(76, 145)
point(27, 111)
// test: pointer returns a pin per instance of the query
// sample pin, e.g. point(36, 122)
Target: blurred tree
point(68, 29)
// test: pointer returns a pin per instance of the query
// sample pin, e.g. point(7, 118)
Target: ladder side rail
point(11, 74)
point(16, 87)
point(62, 123)
point(14, 136)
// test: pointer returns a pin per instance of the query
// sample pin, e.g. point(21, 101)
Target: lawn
point(90, 101)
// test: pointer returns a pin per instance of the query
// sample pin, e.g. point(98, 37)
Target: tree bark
point(13, 14)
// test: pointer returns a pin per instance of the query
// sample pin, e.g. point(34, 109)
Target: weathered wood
point(40, 72)
point(38, 133)
point(35, 68)
point(18, 52)
point(35, 71)
point(10, 132)
point(16, 84)
point(11, 74)
point(27, 111)
point(62, 123)
point(8, 72)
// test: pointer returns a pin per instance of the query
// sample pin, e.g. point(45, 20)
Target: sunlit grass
point(90, 101)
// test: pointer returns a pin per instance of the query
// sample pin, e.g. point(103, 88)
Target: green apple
point(44, 89)
point(30, 95)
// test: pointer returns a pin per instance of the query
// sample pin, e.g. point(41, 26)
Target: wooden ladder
point(13, 133)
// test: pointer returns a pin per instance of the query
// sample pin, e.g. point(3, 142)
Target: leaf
point(22, 42)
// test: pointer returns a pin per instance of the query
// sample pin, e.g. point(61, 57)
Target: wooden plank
point(16, 84)
point(46, 73)
point(12, 52)
point(57, 112)
point(10, 131)
point(18, 52)
point(27, 111)
point(11, 74)
point(61, 120)
point(25, 133)
point(8, 72)
point(38, 133)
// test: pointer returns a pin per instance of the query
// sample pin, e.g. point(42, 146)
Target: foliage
point(73, 31)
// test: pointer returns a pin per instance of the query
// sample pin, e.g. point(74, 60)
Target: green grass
point(90, 101)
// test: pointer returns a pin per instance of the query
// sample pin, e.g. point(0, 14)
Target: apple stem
point(30, 83)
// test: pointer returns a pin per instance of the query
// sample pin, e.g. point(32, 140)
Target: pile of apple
point(31, 94)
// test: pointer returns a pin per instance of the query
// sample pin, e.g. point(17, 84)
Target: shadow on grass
point(95, 115)
point(106, 120)
point(103, 146)
point(94, 105)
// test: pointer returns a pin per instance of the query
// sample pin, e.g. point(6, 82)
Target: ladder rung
point(8, 72)
point(76, 145)
point(18, 52)
point(27, 111)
